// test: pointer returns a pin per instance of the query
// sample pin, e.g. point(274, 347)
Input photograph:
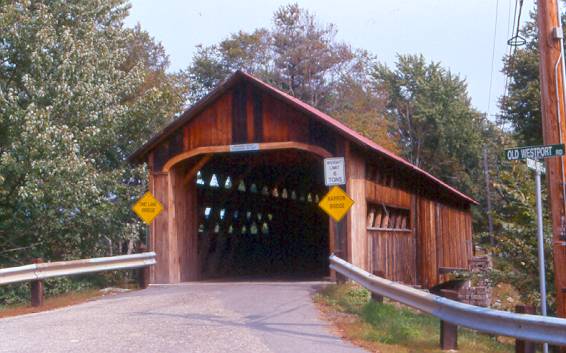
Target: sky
point(457, 33)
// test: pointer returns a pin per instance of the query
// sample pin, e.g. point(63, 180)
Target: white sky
point(458, 33)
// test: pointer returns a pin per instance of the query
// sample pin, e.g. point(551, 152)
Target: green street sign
point(534, 152)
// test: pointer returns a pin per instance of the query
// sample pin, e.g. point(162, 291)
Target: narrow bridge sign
point(534, 152)
point(147, 208)
point(336, 203)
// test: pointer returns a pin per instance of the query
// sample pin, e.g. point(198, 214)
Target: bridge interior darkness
point(258, 215)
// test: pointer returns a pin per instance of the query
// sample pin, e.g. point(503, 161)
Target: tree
point(308, 61)
point(303, 58)
point(515, 221)
point(430, 110)
point(78, 92)
point(520, 108)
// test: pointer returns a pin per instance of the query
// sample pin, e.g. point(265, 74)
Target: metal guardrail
point(41, 271)
point(522, 326)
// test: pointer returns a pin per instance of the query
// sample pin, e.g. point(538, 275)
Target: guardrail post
point(520, 345)
point(448, 331)
point(374, 296)
point(143, 272)
point(36, 288)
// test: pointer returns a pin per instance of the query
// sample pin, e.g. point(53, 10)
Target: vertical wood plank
point(239, 115)
point(356, 189)
point(160, 234)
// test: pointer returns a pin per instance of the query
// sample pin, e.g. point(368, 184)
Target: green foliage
point(18, 294)
point(394, 325)
point(520, 109)
point(514, 207)
point(396, 328)
point(348, 297)
point(515, 222)
point(431, 113)
point(78, 92)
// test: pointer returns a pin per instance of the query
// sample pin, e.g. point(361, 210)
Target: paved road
point(197, 317)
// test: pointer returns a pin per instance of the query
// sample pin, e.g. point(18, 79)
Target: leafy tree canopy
point(78, 92)
point(431, 113)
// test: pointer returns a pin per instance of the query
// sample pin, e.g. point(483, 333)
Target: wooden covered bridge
point(240, 174)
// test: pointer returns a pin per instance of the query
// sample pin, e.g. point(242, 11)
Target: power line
point(492, 57)
point(513, 43)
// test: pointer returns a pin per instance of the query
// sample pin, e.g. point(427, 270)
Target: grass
point(393, 328)
point(51, 303)
point(59, 301)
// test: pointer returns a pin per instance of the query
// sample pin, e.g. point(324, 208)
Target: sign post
point(334, 175)
point(533, 155)
point(539, 167)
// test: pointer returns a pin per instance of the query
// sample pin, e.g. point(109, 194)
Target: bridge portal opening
point(258, 215)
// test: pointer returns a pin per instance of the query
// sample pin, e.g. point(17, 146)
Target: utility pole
point(488, 197)
point(551, 69)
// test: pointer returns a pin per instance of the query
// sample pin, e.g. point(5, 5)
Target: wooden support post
point(376, 297)
point(143, 273)
point(340, 279)
point(448, 331)
point(37, 289)
point(524, 346)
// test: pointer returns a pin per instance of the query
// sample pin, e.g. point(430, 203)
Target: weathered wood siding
point(439, 234)
point(356, 189)
point(438, 229)
point(444, 239)
point(245, 114)
point(393, 254)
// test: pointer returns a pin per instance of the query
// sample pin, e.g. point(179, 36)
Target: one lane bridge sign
point(534, 152)
point(147, 208)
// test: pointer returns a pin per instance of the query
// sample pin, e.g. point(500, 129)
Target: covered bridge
point(240, 174)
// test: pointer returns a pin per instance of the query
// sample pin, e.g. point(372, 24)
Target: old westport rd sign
point(534, 152)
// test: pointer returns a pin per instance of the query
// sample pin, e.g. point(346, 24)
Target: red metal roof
point(311, 111)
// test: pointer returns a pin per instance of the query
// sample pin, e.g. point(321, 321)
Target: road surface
point(207, 317)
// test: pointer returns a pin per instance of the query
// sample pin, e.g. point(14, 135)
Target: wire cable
point(492, 58)
point(513, 44)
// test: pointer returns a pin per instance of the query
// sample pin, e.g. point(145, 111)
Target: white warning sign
point(334, 171)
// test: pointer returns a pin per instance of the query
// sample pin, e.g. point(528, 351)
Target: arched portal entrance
point(244, 213)
point(258, 215)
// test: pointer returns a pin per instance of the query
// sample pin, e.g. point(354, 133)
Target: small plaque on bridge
point(147, 208)
point(336, 203)
point(334, 171)
point(246, 147)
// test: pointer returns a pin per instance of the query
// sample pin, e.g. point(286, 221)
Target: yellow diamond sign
point(336, 203)
point(147, 208)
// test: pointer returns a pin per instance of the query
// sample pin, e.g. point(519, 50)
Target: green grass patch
point(390, 327)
